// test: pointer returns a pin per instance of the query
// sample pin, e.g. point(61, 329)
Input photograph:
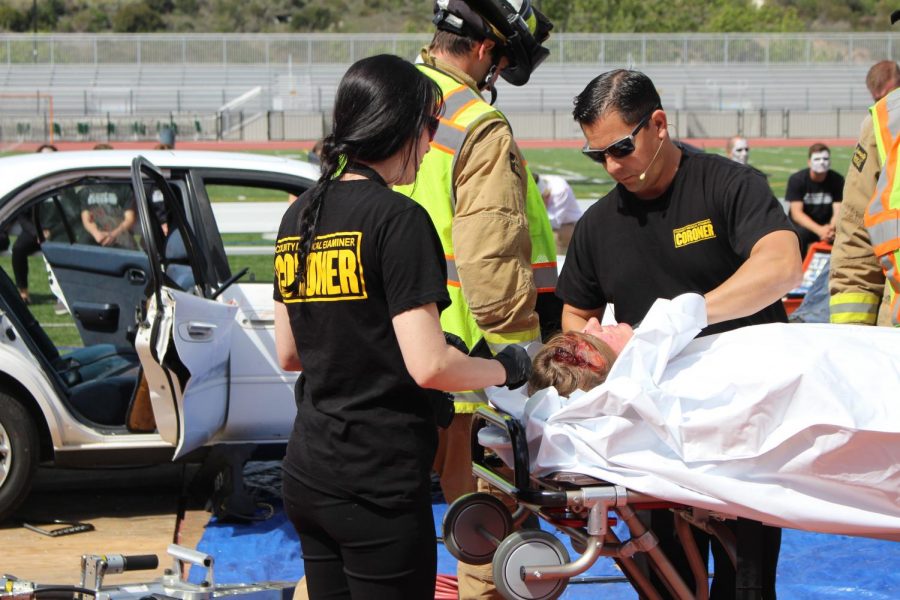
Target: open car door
point(184, 339)
point(102, 284)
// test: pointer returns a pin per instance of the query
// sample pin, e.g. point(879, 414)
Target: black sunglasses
point(432, 126)
point(618, 149)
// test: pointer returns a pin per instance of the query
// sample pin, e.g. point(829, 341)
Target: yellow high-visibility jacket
point(491, 220)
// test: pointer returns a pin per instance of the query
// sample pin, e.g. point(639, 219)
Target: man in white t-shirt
point(562, 208)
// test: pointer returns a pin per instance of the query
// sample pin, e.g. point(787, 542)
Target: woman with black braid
point(360, 281)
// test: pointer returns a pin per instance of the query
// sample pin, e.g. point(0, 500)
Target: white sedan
point(178, 353)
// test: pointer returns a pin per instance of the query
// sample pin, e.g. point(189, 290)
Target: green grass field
point(588, 179)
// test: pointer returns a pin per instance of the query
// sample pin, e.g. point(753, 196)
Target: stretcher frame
point(584, 509)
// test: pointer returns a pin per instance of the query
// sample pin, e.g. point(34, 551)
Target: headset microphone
point(650, 164)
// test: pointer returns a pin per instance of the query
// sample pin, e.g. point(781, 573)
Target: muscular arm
point(285, 346)
point(434, 364)
point(772, 269)
point(574, 319)
point(490, 233)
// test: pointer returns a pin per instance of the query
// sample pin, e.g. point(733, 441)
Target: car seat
point(83, 371)
point(178, 264)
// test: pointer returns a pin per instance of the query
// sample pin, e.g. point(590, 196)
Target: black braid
point(382, 105)
point(309, 216)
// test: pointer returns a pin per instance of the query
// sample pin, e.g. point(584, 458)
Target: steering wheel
point(228, 282)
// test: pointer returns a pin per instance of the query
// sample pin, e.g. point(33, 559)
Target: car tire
point(19, 453)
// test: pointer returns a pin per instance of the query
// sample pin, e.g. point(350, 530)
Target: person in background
point(108, 212)
point(676, 222)
point(26, 243)
point(738, 150)
point(883, 78)
point(562, 208)
point(360, 283)
point(860, 290)
point(313, 156)
point(814, 195)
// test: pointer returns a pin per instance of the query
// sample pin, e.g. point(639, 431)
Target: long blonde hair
point(571, 361)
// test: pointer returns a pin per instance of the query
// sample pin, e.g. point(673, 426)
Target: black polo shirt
point(629, 252)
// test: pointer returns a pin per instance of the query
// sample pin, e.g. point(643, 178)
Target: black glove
point(454, 340)
point(517, 365)
point(442, 406)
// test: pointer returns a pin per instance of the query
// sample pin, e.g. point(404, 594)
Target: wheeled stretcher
point(791, 425)
point(532, 564)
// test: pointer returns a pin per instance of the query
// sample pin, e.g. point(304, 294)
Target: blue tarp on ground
point(811, 566)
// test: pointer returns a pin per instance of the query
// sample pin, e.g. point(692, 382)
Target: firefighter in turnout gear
point(486, 207)
point(864, 279)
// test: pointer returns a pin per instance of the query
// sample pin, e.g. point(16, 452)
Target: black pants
point(758, 546)
point(361, 551)
point(24, 246)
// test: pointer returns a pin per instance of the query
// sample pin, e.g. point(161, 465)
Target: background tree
point(386, 16)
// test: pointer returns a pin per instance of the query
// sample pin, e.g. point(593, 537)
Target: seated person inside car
point(108, 214)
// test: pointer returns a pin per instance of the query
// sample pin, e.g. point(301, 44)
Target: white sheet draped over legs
point(796, 425)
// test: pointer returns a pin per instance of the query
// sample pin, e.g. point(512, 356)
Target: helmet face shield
point(518, 28)
point(524, 48)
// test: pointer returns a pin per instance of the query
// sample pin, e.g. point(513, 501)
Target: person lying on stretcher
point(578, 360)
point(795, 425)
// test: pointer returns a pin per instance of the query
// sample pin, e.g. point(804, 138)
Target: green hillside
point(409, 16)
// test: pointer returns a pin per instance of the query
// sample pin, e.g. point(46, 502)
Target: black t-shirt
point(817, 196)
point(364, 429)
point(629, 251)
point(107, 204)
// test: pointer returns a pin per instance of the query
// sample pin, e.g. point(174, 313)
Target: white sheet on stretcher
point(796, 425)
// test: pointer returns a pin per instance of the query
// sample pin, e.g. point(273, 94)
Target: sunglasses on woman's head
point(618, 149)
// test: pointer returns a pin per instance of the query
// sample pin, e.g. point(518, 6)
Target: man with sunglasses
point(677, 221)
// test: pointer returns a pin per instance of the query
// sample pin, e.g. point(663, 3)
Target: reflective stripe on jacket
point(464, 112)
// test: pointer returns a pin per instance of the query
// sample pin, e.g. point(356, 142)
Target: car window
point(245, 193)
point(253, 230)
point(80, 213)
point(58, 216)
point(108, 214)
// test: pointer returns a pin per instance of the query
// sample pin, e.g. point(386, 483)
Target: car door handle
point(136, 276)
point(200, 331)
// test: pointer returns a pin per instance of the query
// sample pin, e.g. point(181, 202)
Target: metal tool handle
point(140, 562)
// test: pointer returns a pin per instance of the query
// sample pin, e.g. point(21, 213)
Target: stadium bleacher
point(760, 84)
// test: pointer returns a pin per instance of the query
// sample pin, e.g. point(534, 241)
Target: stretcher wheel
point(473, 526)
point(529, 547)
